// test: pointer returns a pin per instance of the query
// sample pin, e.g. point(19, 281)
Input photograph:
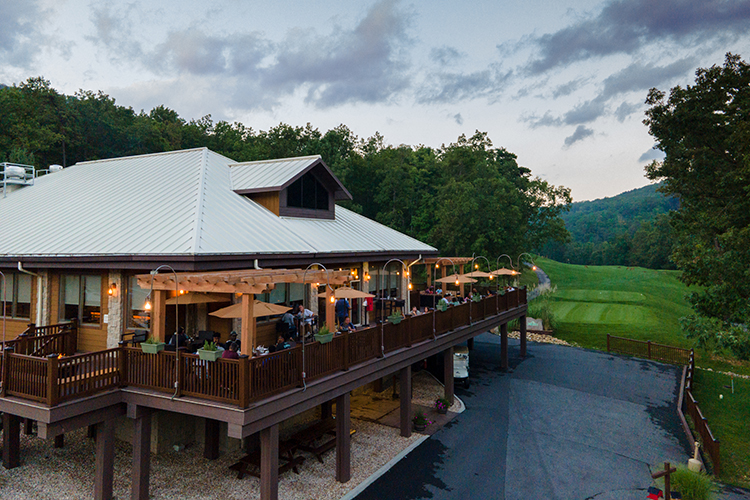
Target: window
point(307, 192)
point(138, 316)
point(81, 298)
point(18, 295)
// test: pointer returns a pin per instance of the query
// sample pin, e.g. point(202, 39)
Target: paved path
point(543, 280)
point(567, 424)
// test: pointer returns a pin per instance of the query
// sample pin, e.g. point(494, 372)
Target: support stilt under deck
point(105, 458)
point(325, 410)
point(448, 373)
point(269, 463)
point(141, 455)
point(343, 439)
point(405, 400)
point(504, 347)
point(470, 344)
point(28, 426)
point(211, 439)
point(59, 441)
point(522, 321)
point(11, 441)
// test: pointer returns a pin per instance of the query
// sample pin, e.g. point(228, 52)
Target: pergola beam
point(253, 281)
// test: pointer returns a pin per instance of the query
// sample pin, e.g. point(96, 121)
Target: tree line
point(630, 229)
point(467, 197)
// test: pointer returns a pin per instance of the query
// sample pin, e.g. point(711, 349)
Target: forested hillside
point(630, 229)
point(466, 197)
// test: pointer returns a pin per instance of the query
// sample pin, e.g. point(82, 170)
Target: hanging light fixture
point(112, 292)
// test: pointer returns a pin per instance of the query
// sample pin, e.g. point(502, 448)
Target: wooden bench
point(318, 438)
point(287, 460)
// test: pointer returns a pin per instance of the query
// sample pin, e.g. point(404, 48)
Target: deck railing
point(53, 380)
point(711, 445)
point(44, 340)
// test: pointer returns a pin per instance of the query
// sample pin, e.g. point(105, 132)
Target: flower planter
point(442, 411)
point(208, 355)
point(324, 338)
point(152, 348)
point(420, 427)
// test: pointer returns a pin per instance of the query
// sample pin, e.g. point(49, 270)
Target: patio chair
point(134, 337)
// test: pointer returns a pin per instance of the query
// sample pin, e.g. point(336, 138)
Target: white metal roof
point(268, 174)
point(176, 203)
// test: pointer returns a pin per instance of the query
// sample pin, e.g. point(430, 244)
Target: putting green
point(600, 296)
point(603, 313)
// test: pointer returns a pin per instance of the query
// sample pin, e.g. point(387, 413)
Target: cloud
point(366, 63)
point(567, 88)
point(445, 55)
point(454, 87)
point(624, 26)
point(651, 154)
point(636, 77)
point(580, 133)
point(20, 35)
point(458, 118)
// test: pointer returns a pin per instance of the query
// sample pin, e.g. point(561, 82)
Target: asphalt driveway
point(566, 423)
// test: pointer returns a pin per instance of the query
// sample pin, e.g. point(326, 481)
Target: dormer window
point(307, 192)
point(292, 187)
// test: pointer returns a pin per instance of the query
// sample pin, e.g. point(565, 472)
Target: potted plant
point(152, 346)
point(209, 352)
point(442, 405)
point(396, 317)
point(324, 335)
point(420, 422)
point(442, 306)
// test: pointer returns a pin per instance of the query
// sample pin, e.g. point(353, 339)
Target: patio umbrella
point(478, 274)
point(197, 298)
point(259, 309)
point(346, 292)
point(461, 278)
point(509, 272)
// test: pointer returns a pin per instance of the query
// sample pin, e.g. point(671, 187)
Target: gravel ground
point(47, 473)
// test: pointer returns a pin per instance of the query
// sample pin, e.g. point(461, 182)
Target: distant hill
point(629, 229)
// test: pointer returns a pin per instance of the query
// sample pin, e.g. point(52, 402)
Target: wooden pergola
point(247, 282)
point(460, 262)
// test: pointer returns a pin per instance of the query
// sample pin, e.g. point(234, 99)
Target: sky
point(561, 85)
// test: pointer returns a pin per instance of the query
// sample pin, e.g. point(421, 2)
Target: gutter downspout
point(39, 284)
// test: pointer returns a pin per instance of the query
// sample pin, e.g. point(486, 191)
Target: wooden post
point(247, 333)
point(11, 441)
point(27, 426)
point(607, 342)
point(7, 355)
point(448, 373)
point(649, 349)
point(522, 325)
point(470, 344)
point(211, 439)
point(666, 473)
point(346, 351)
point(343, 439)
point(244, 382)
point(326, 410)
point(53, 390)
point(504, 347)
point(59, 441)
point(405, 401)
point(158, 315)
point(122, 364)
point(461, 291)
point(330, 311)
point(141, 455)
point(105, 455)
point(269, 463)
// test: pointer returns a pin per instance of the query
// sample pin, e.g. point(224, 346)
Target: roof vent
point(14, 176)
point(55, 168)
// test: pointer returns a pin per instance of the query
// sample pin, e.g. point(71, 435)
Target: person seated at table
point(217, 341)
point(305, 317)
point(287, 325)
point(342, 310)
point(346, 325)
point(415, 311)
point(280, 344)
point(446, 299)
point(231, 353)
point(456, 300)
point(439, 291)
point(289, 340)
point(179, 338)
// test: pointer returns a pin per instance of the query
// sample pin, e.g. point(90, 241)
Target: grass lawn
point(637, 303)
point(729, 419)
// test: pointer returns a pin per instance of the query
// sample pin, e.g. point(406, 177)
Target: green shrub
point(693, 485)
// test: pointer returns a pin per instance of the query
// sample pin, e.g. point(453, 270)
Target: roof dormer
point(294, 187)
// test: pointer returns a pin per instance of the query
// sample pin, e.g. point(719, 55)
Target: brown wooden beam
point(28, 426)
point(470, 344)
point(141, 456)
point(247, 332)
point(269, 463)
point(325, 410)
point(11, 441)
point(343, 438)
point(504, 347)
point(91, 417)
point(211, 437)
point(158, 315)
point(405, 400)
point(448, 373)
point(105, 455)
point(59, 441)
point(522, 321)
